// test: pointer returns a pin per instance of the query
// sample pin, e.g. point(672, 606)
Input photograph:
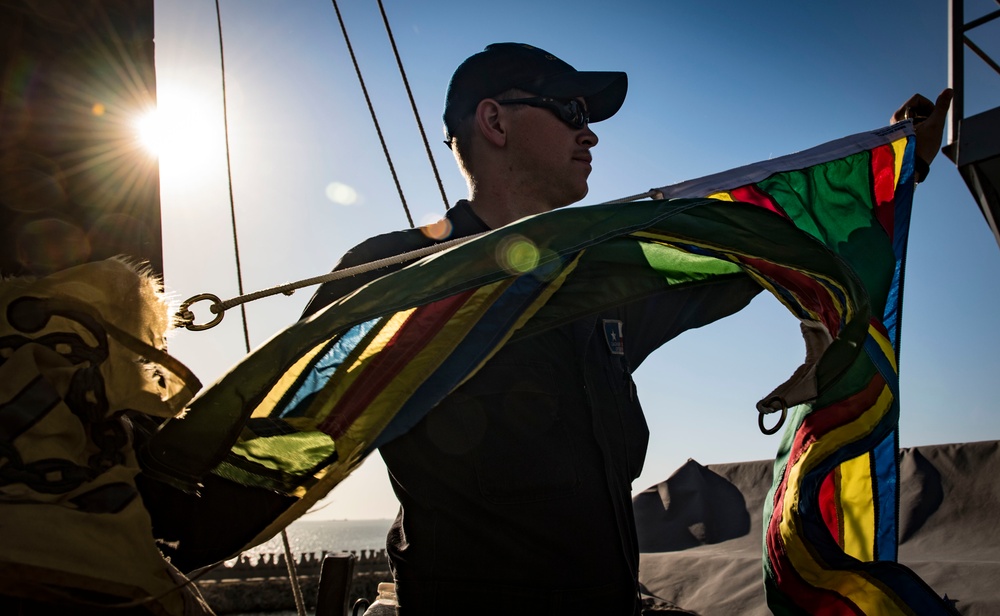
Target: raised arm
point(928, 124)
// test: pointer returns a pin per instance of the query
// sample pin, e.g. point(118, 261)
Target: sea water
point(307, 536)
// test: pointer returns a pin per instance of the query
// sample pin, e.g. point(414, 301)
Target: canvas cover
point(80, 350)
point(700, 531)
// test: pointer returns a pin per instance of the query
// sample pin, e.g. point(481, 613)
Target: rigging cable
point(413, 105)
point(229, 175)
point(371, 110)
point(293, 577)
point(185, 318)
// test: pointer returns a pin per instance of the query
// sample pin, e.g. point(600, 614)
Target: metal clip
point(909, 113)
point(185, 317)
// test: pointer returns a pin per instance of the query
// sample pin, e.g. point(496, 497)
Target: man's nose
point(587, 137)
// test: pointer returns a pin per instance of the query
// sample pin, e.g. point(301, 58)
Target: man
point(515, 491)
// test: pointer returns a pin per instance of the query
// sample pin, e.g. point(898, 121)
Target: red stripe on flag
point(820, 422)
point(884, 186)
point(807, 290)
point(829, 508)
point(818, 601)
point(815, 426)
point(753, 194)
point(423, 325)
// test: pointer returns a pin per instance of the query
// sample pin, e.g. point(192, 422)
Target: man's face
point(552, 158)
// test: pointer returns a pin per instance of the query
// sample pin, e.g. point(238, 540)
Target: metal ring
point(781, 420)
point(185, 317)
point(909, 113)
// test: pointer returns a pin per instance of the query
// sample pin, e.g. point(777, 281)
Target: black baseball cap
point(505, 66)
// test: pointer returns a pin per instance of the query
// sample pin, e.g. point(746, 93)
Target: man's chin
point(573, 198)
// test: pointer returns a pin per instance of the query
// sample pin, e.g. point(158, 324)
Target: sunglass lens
point(575, 115)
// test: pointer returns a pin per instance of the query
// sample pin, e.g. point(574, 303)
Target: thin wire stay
point(413, 105)
point(371, 110)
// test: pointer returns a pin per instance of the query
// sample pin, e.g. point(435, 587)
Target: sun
point(149, 132)
point(183, 131)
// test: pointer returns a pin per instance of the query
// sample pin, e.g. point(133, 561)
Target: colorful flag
point(823, 230)
point(830, 537)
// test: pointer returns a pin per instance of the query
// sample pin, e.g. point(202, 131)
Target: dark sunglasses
point(572, 112)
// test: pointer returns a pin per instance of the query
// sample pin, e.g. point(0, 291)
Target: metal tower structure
point(973, 142)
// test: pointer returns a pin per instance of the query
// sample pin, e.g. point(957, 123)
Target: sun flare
point(148, 130)
point(183, 132)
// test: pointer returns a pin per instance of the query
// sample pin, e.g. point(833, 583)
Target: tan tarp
point(78, 349)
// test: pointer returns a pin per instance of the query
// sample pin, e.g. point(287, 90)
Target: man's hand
point(928, 122)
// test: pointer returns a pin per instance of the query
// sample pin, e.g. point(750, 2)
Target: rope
point(371, 110)
point(184, 317)
point(413, 105)
point(229, 176)
point(652, 193)
point(292, 578)
point(300, 605)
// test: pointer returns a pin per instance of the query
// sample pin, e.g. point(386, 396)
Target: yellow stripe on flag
point(870, 597)
point(325, 400)
point(898, 147)
point(721, 196)
point(287, 380)
point(858, 506)
point(885, 345)
point(384, 406)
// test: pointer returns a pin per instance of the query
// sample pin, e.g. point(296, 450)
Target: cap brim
point(603, 91)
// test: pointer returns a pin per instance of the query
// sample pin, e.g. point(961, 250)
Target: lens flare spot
point(517, 254)
point(50, 244)
point(97, 109)
point(341, 194)
point(439, 229)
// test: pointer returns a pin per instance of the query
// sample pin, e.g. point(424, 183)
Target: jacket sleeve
point(372, 249)
point(652, 322)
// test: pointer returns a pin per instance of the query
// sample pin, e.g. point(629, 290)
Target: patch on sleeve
point(614, 337)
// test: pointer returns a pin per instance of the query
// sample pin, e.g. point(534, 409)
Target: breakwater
point(261, 584)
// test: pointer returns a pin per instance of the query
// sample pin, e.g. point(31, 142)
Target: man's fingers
point(919, 108)
point(943, 102)
point(930, 128)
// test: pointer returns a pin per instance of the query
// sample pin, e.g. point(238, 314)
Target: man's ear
point(490, 122)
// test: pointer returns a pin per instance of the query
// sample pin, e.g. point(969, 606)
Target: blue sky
point(712, 85)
